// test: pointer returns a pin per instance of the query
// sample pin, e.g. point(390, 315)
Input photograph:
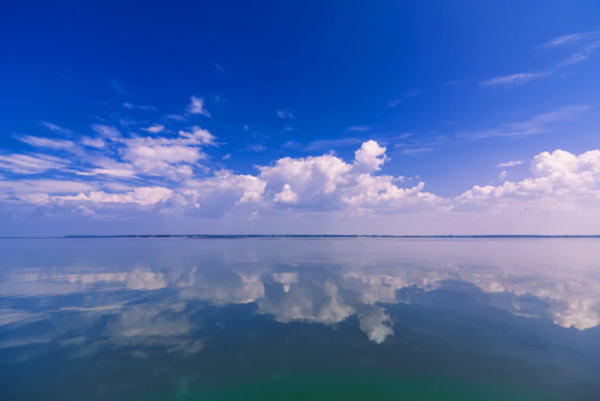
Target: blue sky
point(243, 117)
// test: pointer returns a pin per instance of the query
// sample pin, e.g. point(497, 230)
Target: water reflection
point(88, 297)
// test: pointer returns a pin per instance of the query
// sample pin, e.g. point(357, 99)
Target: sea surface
point(300, 319)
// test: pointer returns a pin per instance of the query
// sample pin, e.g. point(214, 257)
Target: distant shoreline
point(240, 236)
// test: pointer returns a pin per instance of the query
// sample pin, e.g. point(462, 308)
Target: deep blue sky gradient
point(333, 64)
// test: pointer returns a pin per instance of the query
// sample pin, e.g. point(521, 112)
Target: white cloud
point(38, 191)
point(143, 196)
point(223, 193)
point(511, 163)
point(226, 157)
point(590, 45)
point(370, 155)
point(138, 107)
point(154, 129)
point(171, 158)
point(285, 114)
point(359, 128)
point(561, 180)
point(286, 195)
point(31, 164)
point(197, 106)
point(584, 54)
point(537, 125)
point(161, 158)
point(198, 136)
point(503, 176)
point(256, 147)
point(569, 39)
point(57, 144)
point(328, 183)
point(93, 142)
point(106, 131)
point(176, 117)
point(515, 79)
point(55, 128)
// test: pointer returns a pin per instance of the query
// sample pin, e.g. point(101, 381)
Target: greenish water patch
point(332, 388)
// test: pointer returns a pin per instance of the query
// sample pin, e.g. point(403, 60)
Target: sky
point(312, 117)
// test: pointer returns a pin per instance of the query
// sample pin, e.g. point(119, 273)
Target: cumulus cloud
point(370, 156)
point(197, 106)
point(315, 183)
point(560, 180)
point(286, 195)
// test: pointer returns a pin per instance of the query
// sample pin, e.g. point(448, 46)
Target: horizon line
point(233, 236)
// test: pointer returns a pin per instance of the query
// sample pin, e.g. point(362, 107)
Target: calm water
point(300, 319)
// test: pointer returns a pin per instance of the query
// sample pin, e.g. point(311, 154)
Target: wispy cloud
point(227, 157)
point(416, 150)
point(55, 128)
point(511, 163)
point(218, 67)
point(197, 106)
point(359, 128)
point(154, 129)
point(503, 176)
point(537, 125)
point(404, 95)
point(40, 142)
point(515, 79)
point(131, 106)
point(569, 39)
point(31, 164)
point(106, 130)
point(590, 40)
point(584, 54)
point(176, 117)
point(116, 85)
point(256, 147)
point(93, 142)
point(285, 114)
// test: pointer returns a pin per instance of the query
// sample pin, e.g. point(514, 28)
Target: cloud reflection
point(145, 302)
